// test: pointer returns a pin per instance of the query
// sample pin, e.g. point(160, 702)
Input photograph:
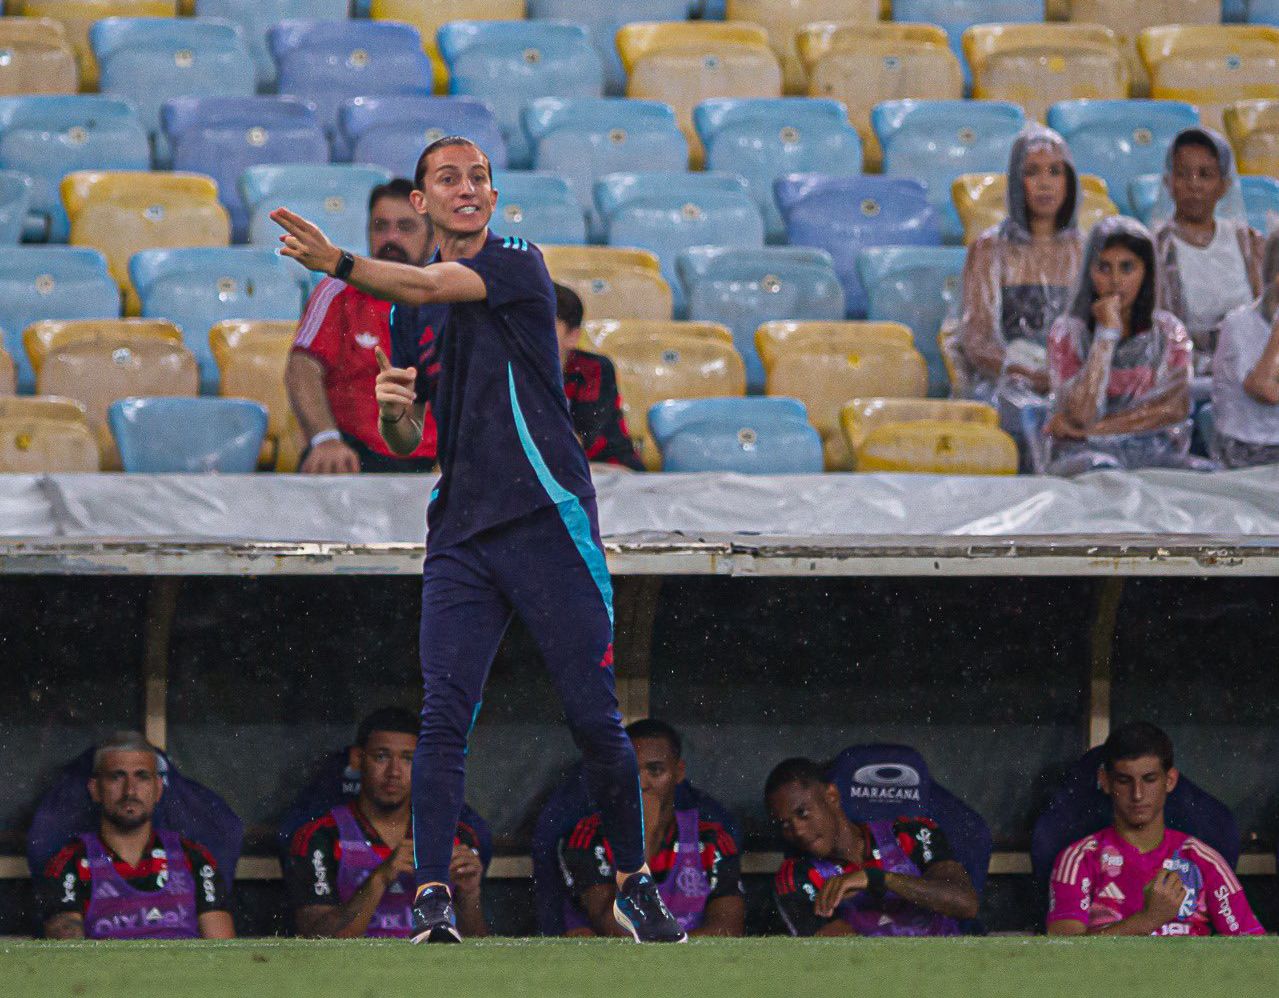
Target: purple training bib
point(120, 911)
point(394, 915)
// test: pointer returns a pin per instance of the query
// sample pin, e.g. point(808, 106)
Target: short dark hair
point(796, 770)
point(568, 306)
point(396, 719)
point(1135, 740)
point(399, 188)
point(650, 727)
point(419, 174)
point(1196, 137)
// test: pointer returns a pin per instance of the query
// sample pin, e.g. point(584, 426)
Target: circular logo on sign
point(256, 136)
point(357, 59)
point(1143, 136)
point(789, 136)
point(870, 207)
point(617, 136)
point(184, 58)
point(532, 57)
point(154, 213)
point(226, 287)
point(887, 774)
point(747, 438)
point(892, 62)
point(45, 284)
point(966, 136)
point(770, 284)
point(599, 286)
point(711, 62)
point(77, 135)
point(690, 212)
point(670, 356)
point(1233, 62)
point(432, 134)
point(334, 204)
point(513, 213)
point(691, 882)
point(121, 356)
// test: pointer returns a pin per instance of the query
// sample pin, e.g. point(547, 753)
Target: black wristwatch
point(343, 269)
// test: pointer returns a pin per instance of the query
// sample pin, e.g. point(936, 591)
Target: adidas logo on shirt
point(514, 242)
point(1111, 892)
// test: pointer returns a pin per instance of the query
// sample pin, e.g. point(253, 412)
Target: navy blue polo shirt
point(491, 372)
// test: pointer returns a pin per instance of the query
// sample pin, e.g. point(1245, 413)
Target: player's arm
point(724, 916)
point(791, 893)
point(304, 383)
point(725, 911)
point(598, 901)
point(350, 919)
point(465, 875)
point(216, 925)
point(400, 414)
point(1164, 897)
point(944, 888)
point(64, 925)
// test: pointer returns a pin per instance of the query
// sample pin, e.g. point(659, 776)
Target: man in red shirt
point(332, 368)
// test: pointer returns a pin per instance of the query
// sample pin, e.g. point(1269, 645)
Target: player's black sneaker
point(434, 920)
point(640, 910)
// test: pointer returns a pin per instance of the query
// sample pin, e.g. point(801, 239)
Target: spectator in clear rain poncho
point(1120, 367)
point(1245, 376)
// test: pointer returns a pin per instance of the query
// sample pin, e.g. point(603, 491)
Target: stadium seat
point(684, 63)
point(256, 18)
point(936, 141)
point(772, 337)
point(188, 434)
point(783, 20)
point(16, 191)
point(540, 207)
point(613, 282)
point(148, 60)
point(251, 355)
point(391, 132)
point(429, 16)
point(957, 16)
point(197, 288)
point(39, 59)
point(938, 448)
point(8, 375)
point(862, 65)
point(1253, 128)
point(330, 62)
point(586, 138)
point(862, 415)
point(918, 287)
point(1261, 200)
point(744, 288)
point(509, 63)
point(763, 138)
point(1255, 11)
point(749, 436)
point(78, 17)
point(1127, 19)
point(30, 443)
point(120, 213)
point(1037, 65)
point(1120, 139)
point(44, 407)
point(844, 215)
point(47, 137)
point(1211, 66)
point(982, 201)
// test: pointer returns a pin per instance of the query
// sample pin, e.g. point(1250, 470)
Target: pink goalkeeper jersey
point(1102, 879)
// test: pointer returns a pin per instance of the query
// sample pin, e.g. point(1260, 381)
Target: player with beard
point(130, 880)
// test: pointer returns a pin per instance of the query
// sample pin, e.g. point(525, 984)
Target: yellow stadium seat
point(41, 338)
point(860, 416)
point(1037, 65)
point(43, 407)
point(982, 201)
point(1057, 10)
point(771, 337)
point(613, 282)
point(864, 64)
point(783, 19)
point(251, 357)
point(1211, 66)
point(941, 448)
point(8, 376)
point(686, 62)
point(39, 59)
point(664, 360)
point(1127, 19)
point(1253, 128)
point(429, 15)
point(121, 212)
point(77, 16)
point(32, 445)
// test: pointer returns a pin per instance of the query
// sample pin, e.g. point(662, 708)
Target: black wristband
point(875, 882)
point(343, 269)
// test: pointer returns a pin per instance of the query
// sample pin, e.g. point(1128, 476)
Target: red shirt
point(340, 328)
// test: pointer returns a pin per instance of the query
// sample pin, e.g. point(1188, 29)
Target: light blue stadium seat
point(751, 436)
point(710, 10)
point(763, 138)
point(602, 21)
point(147, 60)
point(50, 282)
point(744, 288)
point(331, 62)
point(585, 138)
point(1255, 11)
point(196, 288)
point(1260, 198)
point(15, 201)
point(918, 286)
point(392, 131)
point(669, 212)
point(256, 17)
point(157, 435)
point(538, 207)
point(1143, 193)
point(224, 136)
point(47, 137)
point(1235, 11)
point(509, 63)
point(1120, 139)
point(844, 215)
point(957, 16)
point(936, 141)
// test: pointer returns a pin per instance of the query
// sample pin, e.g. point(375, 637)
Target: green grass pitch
point(760, 968)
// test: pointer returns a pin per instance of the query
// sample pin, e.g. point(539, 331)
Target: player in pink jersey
point(1138, 877)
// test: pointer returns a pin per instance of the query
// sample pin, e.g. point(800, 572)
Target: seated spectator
point(1209, 257)
point(591, 385)
point(692, 857)
point(350, 871)
point(1120, 367)
point(129, 879)
point(850, 878)
point(332, 368)
point(1139, 877)
point(1245, 376)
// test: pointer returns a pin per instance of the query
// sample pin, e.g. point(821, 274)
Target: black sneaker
point(434, 920)
point(640, 910)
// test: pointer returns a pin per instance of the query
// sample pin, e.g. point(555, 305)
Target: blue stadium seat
point(256, 17)
point(50, 282)
point(936, 141)
point(844, 215)
point(196, 288)
point(1256, 11)
point(1118, 140)
point(919, 287)
point(583, 139)
point(331, 62)
point(47, 137)
point(957, 16)
point(147, 60)
point(1143, 193)
point(188, 434)
point(763, 138)
point(224, 136)
point(1260, 198)
point(744, 288)
point(668, 212)
point(539, 207)
point(16, 190)
point(509, 63)
point(751, 436)
point(392, 131)
point(1236, 11)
